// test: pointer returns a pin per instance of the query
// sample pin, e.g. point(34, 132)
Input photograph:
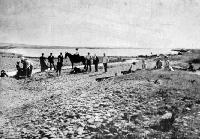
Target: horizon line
point(36, 46)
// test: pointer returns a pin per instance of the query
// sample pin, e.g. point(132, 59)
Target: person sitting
point(27, 67)
point(191, 67)
point(158, 64)
point(77, 70)
point(167, 65)
point(130, 69)
point(143, 64)
point(3, 74)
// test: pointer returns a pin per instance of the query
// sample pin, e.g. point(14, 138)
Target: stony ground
point(144, 104)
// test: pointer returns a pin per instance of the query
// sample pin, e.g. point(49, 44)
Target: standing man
point(96, 62)
point(77, 52)
point(105, 62)
point(51, 61)
point(43, 63)
point(59, 64)
point(88, 62)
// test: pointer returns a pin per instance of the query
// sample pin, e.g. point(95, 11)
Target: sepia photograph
point(100, 69)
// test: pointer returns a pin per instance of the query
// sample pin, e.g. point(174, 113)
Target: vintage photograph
point(100, 69)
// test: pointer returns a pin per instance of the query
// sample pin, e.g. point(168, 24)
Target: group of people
point(27, 66)
point(25, 70)
point(166, 65)
point(89, 60)
point(159, 65)
point(95, 60)
point(51, 63)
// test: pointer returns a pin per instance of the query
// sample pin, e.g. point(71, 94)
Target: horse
point(76, 59)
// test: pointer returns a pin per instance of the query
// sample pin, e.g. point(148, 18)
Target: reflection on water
point(99, 52)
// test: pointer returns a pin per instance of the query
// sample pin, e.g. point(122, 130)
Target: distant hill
point(28, 46)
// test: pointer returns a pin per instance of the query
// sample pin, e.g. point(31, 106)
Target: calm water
point(99, 52)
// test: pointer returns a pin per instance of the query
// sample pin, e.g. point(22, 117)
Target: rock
point(188, 109)
point(53, 129)
point(108, 135)
point(88, 116)
point(90, 121)
point(146, 132)
point(91, 128)
point(80, 130)
point(168, 115)
point(185, 124)
point(165, 122)
point(105, 131)
point(98, 119)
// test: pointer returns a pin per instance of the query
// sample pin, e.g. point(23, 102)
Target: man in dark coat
point(19, 70)
point(51, 61)
point(96, 62)
point(105, 62)
point(59, 64)
point(43, 63)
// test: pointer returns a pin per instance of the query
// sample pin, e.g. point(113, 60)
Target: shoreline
point(77, 106)
point(30, 46)
point(11, 57)
point(8, 61)
point(100, 65)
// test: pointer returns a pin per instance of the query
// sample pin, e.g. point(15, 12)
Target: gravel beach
point(143, 104)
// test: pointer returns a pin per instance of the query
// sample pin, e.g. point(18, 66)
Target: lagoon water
point(98, 52)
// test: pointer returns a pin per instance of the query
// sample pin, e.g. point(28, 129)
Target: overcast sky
point(125, 23)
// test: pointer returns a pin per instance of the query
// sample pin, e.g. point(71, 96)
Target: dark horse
point(76, 59)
